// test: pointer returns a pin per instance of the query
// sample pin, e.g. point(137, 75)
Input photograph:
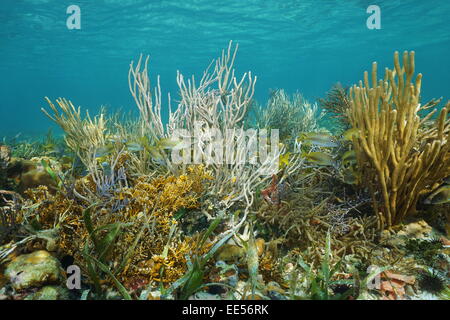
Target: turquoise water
point(304, 45)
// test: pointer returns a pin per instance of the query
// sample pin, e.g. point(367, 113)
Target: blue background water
point(304, 45)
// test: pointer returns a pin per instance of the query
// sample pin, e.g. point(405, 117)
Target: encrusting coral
point(400, 158)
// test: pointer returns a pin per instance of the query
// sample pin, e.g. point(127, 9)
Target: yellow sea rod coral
point(400, 158)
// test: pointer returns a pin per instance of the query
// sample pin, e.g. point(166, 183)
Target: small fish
point(134, 146)
point(103, 151)
point(155, 153)
point(318, 139)
point(230, 252)
point(350, 133)
point(440, 196)
point(349, 157)
point(284, 160)
point(173, 144)
point(105, 164)
point(48, 146)
point(349, 176)
point(320, 158)
point(116, 139)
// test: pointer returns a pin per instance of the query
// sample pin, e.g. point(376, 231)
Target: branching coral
point(400, 160)
point(137, 218)
point(302, 219)
point(222, 107)
point(83, 136)
point(336, 103)
point(218, 102)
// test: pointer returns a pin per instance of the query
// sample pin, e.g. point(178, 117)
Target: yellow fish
point(349, 176)
point(318, 139)
point(171, 143)
point(348, 157)
point(320, 158)
point(284, 160)
point(350, 133)
point(440, 196)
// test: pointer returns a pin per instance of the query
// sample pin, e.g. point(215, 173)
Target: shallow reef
point(143, 208)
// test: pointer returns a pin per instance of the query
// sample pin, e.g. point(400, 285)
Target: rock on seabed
point(50, 293)
point(33, 270)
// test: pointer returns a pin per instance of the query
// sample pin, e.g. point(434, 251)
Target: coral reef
point(114, 202)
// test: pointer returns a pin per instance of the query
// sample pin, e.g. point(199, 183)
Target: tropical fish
point(319, 158)
point(350, 133)
point(134, 146)
point(284, 160)
point(104, 151)
point(318, 139)
point(230, 252)
point(49, 146)
point(349, 176)
point(440, 196)
point(171, 143)
point(348, 157)
point(155, 153)
point(116, 139)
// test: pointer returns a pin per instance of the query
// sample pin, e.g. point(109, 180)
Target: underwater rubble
point(358, 213)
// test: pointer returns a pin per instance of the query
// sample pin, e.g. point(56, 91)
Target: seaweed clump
point(424, 250)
